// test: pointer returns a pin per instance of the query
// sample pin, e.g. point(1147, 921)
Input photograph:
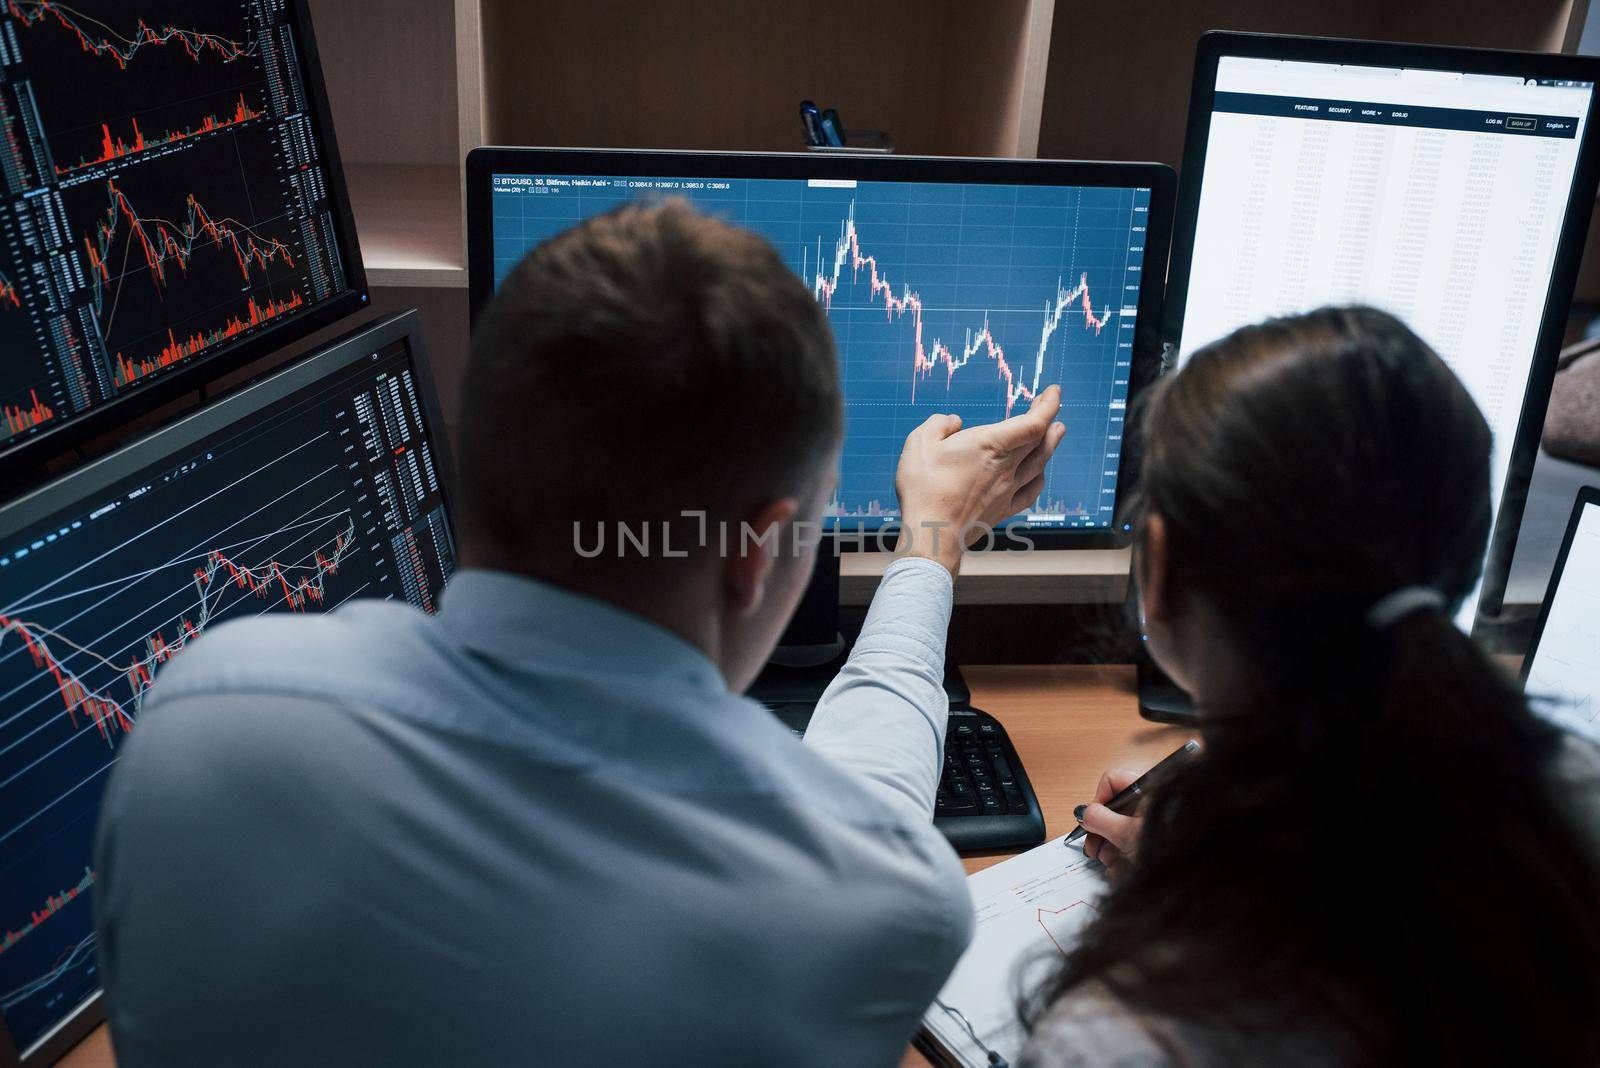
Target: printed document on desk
point(1029, 912)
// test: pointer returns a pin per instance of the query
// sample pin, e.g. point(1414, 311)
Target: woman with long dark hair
point(1382, 856)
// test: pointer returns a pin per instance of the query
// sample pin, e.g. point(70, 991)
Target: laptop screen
point(1563, 671)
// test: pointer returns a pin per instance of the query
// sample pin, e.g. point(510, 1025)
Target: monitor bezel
point(23, 459)
point(100, 475)
point(1160, 179)
point(1569, 247)
point(1587, 496)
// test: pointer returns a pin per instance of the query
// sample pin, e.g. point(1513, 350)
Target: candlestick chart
point(76, 664)
point(162, 244)
point(328, 496)
point(966, 298)
point(174, 270)
point(98, 38)
point(97, 66)
point(147, 148)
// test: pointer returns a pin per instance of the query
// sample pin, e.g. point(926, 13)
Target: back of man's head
point(647, 362)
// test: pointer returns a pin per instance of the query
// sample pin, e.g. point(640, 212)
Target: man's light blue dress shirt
point(534, 829)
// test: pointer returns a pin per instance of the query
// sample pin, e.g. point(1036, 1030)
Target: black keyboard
point(984, 801)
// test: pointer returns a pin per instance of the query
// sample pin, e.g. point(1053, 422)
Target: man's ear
point(1156, 590)
point(753, 548)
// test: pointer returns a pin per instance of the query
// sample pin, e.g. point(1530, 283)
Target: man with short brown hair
point(542, 826)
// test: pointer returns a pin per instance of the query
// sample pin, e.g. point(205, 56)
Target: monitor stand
point(815, 647)
point(1160, 699)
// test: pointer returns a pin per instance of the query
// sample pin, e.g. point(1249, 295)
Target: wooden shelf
point(402, 81)
point(945, 77)
point(409, 218)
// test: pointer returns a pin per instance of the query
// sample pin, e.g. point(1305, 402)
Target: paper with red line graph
point(1029, 910)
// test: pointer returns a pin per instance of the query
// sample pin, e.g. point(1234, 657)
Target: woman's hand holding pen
point(1112, 839)
point(1111, 822)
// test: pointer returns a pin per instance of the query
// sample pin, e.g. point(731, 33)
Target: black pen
point(1128, 799)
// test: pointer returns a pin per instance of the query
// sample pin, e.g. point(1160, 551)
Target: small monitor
point(960, 286)
point(314, 486)
point(1451, 187)
point(171, 205)
point(1561, 672)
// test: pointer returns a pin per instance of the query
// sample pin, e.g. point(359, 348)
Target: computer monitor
point(1451, 187)
point(1561, 672)
point(952, 286)
point(171, 206)
point(316, 485)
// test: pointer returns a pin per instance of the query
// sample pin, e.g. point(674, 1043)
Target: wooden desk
point(1069, 723)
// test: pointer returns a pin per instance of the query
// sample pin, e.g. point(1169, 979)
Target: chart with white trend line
point(331, 494)
point(943, 297)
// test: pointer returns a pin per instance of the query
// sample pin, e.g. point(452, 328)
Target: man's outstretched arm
point(884, 716)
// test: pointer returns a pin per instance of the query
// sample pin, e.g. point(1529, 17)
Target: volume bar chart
point(131, 369)
point(52, 905)
point(116, 147)
point(16, 419)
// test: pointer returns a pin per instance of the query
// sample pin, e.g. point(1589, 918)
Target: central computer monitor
point(951, 285)
point(322, 483)
point(1450, 186)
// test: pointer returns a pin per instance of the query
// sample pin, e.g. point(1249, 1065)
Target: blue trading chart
point(943, 297)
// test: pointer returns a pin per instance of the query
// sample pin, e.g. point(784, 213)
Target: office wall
point(1118, 87)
